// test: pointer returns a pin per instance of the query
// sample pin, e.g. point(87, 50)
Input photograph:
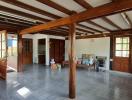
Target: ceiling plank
point(14, 22)
point(56, 6)
point(31, 8)
point(10, 28)
point(83, 3)
point(17, 19)
point(61, 8)
point(100, 26)
point(89, 28)
point(101, 11)
point(111, 23)
point(127, 19)
point(20, 13)
point(123, 32)
point(86, 31)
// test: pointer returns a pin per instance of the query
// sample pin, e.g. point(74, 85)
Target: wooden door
point(57, 50)
point(41, 51)
point(121, 54)
point(27, 51)
point(3, 54)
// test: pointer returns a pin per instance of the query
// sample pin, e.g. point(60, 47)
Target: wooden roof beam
point(31, 8)
point(126, 19)
point(101, 11)
point(111, 23)
point(100, 26)
point(56, 6)
point(83, 3)
point(20, 13)
point(89, 28)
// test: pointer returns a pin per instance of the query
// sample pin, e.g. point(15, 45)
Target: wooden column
point(72, 63)
point(20, 60)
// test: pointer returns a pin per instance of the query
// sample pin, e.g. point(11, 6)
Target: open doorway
point(11, 53)
point(41, 51)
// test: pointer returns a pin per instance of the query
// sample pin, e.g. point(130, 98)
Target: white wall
point(97, 46)
point(35, 38)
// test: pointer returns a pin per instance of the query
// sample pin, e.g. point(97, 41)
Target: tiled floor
point(40, 83)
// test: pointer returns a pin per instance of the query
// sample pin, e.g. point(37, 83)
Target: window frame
point(122, 45)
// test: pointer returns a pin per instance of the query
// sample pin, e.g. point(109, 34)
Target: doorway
point(122, 46)
point(11, 53)
point(41, 51)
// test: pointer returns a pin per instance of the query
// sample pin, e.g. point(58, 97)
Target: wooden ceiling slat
point(89, 28)
point(86, 5)
point(59, 7)
point(55, 6)
point(111, 23)
point(127, 18)
point(100, 26)
point(17, 19)
point(101, 11)
point(86, 31)
point(83, 3)
point(20, 13)
point(31, 8)
point(9, 27)
point(15, 22)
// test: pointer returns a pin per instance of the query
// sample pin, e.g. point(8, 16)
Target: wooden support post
point(20, 60)
point(72, 63)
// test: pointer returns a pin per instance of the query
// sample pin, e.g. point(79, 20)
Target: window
point(2, 45)
point(122, 47)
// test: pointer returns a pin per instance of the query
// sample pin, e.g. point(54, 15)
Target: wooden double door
point(122, 54)
point(57, 50)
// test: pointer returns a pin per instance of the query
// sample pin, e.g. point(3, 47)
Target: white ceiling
point(73, 6)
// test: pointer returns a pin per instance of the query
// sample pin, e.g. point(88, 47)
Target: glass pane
point(125, 46)
point(118, 46)
point(118, 53)
point(118, 40)
point(125, 53)
point(126, 40)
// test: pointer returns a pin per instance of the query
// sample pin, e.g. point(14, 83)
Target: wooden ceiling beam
point(126, 19)
point(86, 31)
point(14, 22)
point(20, 13)
point(101, 11)
point(100, 26)
point(56, 6)
point(31, 8)
point(123, 32)
point(17, 19)
point(86, 5)
point(89, 28)
point(83, 3)
point(9, 27)
point(111, 23)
